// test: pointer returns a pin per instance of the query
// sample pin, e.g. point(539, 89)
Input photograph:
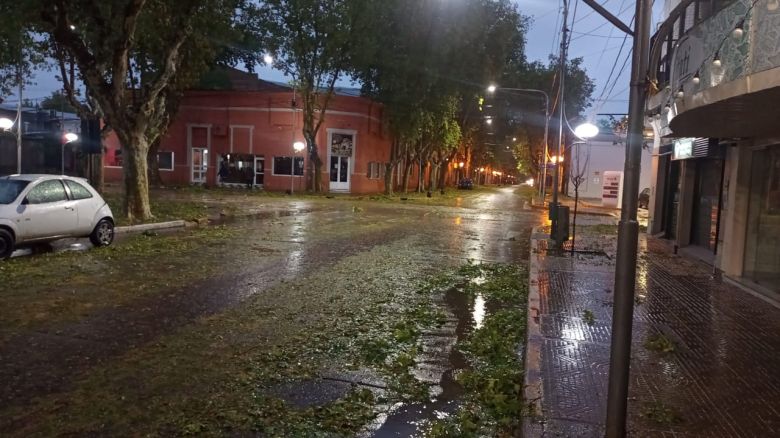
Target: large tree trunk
point(97, 170)
point(421, 178)
point(135, 150)
point(315, 162)
point(442, 175)
point(389, 167)
point(407, 171)
point(432, 176)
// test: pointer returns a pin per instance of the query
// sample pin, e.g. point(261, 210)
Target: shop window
point(236, 169)
point(283, 166)
point(165, 160)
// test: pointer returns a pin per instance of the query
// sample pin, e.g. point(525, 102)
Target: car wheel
point(103, 234)
point(6, 244)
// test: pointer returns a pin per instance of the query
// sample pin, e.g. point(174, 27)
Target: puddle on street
point(438, 364)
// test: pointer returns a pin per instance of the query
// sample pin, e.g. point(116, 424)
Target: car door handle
point(70, 208)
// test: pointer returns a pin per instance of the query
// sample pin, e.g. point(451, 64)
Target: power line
point(593, 11)
point(557, 34)
point(604, 92)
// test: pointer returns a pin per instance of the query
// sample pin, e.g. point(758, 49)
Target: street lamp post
point(628, 230)
point(69, 138)
point(493, 88)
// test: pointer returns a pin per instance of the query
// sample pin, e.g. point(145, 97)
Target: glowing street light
point(586, 131)
point(493, 88)
point(6, 124)
point(71, 137)
point(489, 121)
point(268, 59)
point(298, 146)
point(461, 164)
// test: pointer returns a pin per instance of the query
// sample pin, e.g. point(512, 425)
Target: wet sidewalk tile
point(705, 354)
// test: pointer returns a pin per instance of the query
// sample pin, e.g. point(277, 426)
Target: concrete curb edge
point(533, 389)
point(150, 227)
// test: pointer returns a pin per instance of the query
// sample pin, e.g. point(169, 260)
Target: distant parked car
point(42, 208)
point(466, 184)
point(644, 199)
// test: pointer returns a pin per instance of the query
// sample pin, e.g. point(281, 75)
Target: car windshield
point(10, 190)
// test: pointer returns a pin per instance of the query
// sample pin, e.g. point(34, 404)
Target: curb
point(533, 389)
point(149, 227)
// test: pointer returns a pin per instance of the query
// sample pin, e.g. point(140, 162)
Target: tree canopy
point(134, 57)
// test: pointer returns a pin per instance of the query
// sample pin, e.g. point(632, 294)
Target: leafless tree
point(577, 172)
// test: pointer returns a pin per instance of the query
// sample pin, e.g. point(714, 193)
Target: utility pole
point(628, 230)
point(19, 123)
point(561, 84)
point(543, 185)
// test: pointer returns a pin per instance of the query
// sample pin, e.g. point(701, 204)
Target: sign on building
point(612, 190)
point(683, 148)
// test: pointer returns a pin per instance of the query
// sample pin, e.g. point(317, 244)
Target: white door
point(339, 174)
point(199, 165)
point(259, 171)
point(47, 212)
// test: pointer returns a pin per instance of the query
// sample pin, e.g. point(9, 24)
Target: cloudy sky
point(593, 39)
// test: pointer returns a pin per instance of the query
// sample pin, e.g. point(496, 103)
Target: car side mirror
point(25, 201)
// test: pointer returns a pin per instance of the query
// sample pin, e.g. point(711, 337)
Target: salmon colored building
point(243, 135)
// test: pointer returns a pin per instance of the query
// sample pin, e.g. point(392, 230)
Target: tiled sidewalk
point(722, 378)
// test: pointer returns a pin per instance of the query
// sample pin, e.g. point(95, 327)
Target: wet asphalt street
point(291, 239)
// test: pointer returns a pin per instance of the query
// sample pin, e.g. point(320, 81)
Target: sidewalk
point(705, 355)
point(585, 207)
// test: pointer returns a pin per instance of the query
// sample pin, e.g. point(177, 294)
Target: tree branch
point(63, 35)
point(119, 62)
point(83, 110)
point(171, 64)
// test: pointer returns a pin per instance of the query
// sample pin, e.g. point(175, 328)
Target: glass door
point(199, 165)
point(339, 173)
point(762, 246)
point(259, 171)
point(706, 209)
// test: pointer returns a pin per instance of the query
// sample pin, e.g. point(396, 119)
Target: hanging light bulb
point(716, 60)
point(657, 116)
point(667, 108)
point(739, 30)
point(696, 78)
point(772, 5)
point(680, 93)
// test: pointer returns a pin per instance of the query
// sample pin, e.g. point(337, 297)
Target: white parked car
point(42, 208)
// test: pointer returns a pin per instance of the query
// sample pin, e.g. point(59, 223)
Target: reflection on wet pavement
point(437, 365)
point(719, 378)
point(274, 247)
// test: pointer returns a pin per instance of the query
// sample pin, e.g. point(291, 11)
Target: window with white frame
point(284, 166)
point(165, 160)
point(375, 170)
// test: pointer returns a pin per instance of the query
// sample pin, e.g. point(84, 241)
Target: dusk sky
point(593, 39)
